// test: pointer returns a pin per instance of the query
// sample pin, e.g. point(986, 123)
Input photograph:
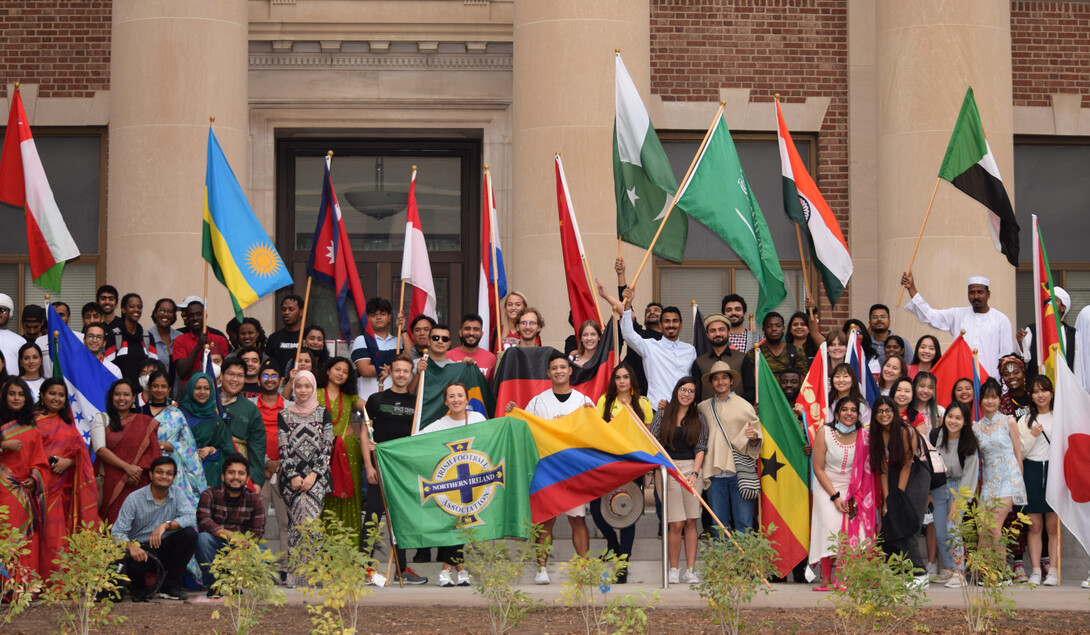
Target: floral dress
point(1001, 476)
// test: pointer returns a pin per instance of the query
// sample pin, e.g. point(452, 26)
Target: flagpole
point(419, 399)
point(673, 202)
point(919, 236)
point(204, 329)
point(805, 269)
point(493, 274)
point(303, 321)
point(616, 338)
point(590, 285)
point(365, 446)
point(400, 322)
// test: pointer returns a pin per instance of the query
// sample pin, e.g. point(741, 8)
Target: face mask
point(216, 370)
point(144, 382)
point(843, 429)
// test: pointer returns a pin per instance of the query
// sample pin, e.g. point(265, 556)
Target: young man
point(10, 342)
point(470, 351)
point(740, 338)
point(269, 403)
point(64, 313)
point(94, 338)
point(879, 330)
point(732, 426)
point(33, 321)
point(226, 510)
point(391, 414)
point(243, 418)
point(379, 314)
point(251, 359)
point(189, 347)
point(529, 324)
point(554, 403)
point(776, 351)
point(107, 301)
point(282, 344)
point(91, 313)
point(652, 327)
point(717, 328)
point(157, 520)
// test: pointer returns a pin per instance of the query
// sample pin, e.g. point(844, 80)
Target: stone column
point(563, 102)
point(929, 52)
point(173, 65)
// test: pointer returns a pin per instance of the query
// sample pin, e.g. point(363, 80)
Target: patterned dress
point(305, 445)
point(348, 510)
point(1001, 476)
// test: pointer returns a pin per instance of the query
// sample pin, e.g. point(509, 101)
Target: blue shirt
point(664, 361)
point(140, 514)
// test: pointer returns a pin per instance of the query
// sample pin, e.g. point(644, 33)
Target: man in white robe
point(987, 330)
point(1082, 348)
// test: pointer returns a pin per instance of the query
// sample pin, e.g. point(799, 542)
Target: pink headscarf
point(305, 408)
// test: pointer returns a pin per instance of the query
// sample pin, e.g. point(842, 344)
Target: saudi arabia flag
point(642, 177)
point(718, 195)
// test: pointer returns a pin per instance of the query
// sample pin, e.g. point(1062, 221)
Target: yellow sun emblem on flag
point(262, 260)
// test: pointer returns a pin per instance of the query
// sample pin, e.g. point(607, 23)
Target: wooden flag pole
point(302, 323)
point(493, 274)
point(673, 202)
point(401, 322)
point(616, 337)
point(365, 446)
point(805, 269)
point(590, 285)
point(419, 399)
point(919, 236)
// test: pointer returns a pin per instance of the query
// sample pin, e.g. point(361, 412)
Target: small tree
point(246, 577)
point(496, 569)
point(876, 594)
point(88, 570)
point(733, 573)
point(336, 572)
point(20, 583)
point(984, 558)
point(586, 577)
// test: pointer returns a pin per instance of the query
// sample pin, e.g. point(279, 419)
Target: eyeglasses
point(268, 376)
point(234, 375)
point(440, 338)
point(94, 336)
point(883, 411)
point(687, 391)
point(527, 323)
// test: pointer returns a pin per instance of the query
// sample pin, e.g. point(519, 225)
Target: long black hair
point(910, 412)
point(23, 416)
point(854, 392)
point(898, 440)
point(24, 348)
point(863, 335)
point(967, 444)
point(611, 393)
point(111, 411)
point(66, 412)
point(349, 387)
point(836, 412)
point(691, 421)
point(1040, 382)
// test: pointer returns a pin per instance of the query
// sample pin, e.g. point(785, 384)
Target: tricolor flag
point(580, 296)
point(970, 167)
point(858, 361)
point(1068, 488)
point(784, 473)
point(23, 184)
point(415, 266)
point(806, 206)
point(87, 379)
point(493, 278)
point(814, 392)
point(233, 241)
point(331, 261)
point(957, 362)
point(522, 373)
point(1046, 310)
point(643, 180)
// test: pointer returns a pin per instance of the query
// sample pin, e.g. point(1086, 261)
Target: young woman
point(894, 345)
point(1016, 401)
point(71, 495)
point(305, 436)
point(1001, 454)
point(683, 432)
point(963, 393)
point(162, 333)
point(337, 396)
point(1035, 433)
point(590, 336)
point(804, 333)
point(211, 435)
point(923, 386)
point(844, 385)
point(893, 369)
point(837, 348)
point(925, 356)
point(898, 456)
point(30, 368)
point(513, 304)
point(125, 443)
point(24, 470)
point(129, 351)
point(865, 340)
point(842, 481)
point(314, 341)
point(902, 394)
point(957, 445)
point(250, 333)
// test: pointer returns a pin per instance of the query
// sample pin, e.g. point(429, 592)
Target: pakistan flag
point(642, 177)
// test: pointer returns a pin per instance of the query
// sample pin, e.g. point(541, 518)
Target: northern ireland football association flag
point(415, 266)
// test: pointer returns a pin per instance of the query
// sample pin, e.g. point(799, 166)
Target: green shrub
point(496, 569)
point(588, 576)
point(874, 593)
point(246, 577)
point(88, 579)
point(20, 585)
point(733, 572)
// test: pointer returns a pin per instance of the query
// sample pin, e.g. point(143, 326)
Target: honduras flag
point(87, 379)
point(858, 361)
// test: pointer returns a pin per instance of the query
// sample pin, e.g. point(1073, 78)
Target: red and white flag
point(23, 184)
point(1068, 488)
point(814, 393)
point(415, 266)
point(493, 279)
point(580, 296)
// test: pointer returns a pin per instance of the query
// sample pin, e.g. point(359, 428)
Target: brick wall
point(798, 48)
point(1050, 51)
point(64, 47)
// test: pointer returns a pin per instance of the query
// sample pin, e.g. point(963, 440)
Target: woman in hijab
point(210, 433)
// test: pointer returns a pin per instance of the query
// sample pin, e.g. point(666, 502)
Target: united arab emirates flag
point(642, 177)
point(970, 166)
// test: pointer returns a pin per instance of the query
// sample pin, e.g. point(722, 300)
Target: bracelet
point(694, 473)
point(835, 496)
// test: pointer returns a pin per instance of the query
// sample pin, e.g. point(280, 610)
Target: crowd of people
point(181, 459)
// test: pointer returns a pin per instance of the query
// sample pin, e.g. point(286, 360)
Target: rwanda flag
point(785, 469)
point(437, 378)
point(233, 241)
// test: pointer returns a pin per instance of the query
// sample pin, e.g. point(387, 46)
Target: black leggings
point(451, 555)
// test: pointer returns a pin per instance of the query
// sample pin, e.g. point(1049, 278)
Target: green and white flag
point(718, 195)
point(642, 177)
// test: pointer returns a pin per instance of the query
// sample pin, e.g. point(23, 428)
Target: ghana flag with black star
point(784, 473)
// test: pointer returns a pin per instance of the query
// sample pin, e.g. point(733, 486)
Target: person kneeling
point(225, 510)
point(157, 521)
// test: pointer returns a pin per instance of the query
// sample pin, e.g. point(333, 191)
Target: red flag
point(415, 266)
point(814, 393)
point(956, 363)
point(493, 280)
point(580, 297)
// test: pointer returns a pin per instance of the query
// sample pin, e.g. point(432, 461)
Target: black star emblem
point(770, 466)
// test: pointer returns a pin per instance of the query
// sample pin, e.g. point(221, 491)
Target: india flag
point(804, 205)
point(23, 184)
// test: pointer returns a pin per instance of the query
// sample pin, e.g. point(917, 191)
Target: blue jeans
point(726, 501)
point(942, 497)
point(207, 546)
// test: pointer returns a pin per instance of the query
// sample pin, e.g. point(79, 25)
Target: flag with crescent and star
point(87, 379)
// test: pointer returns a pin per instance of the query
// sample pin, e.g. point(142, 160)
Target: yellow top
point(645, 406)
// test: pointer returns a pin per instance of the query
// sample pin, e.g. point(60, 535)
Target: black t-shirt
point(281, 348)
point(391, 414)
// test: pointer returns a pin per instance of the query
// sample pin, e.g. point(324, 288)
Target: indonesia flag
point(23, 184)
point(415, 267)
point(493, 278)
point(806, 206)
point(580, 297)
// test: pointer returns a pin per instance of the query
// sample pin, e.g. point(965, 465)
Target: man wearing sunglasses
point(438, 345)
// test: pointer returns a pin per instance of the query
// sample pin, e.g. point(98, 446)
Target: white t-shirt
point(547, 406)
point(446, 423)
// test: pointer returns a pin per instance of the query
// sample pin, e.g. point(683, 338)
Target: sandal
point(820, 589)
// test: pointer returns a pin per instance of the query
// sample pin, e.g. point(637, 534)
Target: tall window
point(371, 178)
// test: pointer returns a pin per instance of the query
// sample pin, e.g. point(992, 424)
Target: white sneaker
point(956, 581)
point(1051, 580)
point(943, 575)
point(921, 581)
point(463, 578)
point(672, 576)
point(932, 570)
point(1086, 583)
point(690, 577)
point(542, 576)
point(444, 578)
point(1035, 579)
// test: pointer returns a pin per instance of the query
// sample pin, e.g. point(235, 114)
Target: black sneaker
point(408, 576)
point(422, 555)
point(172, 594)
point(140, 597)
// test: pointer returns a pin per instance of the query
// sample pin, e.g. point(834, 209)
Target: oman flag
point(1050, 347)
point(23, 184)
point(805, 205)
point(580, 297)
point(415, 267)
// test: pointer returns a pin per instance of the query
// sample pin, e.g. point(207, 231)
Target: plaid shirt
point(214, 512)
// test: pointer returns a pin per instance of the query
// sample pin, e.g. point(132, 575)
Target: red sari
point(24, 505)
point(137, 443)
point(72, 497)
